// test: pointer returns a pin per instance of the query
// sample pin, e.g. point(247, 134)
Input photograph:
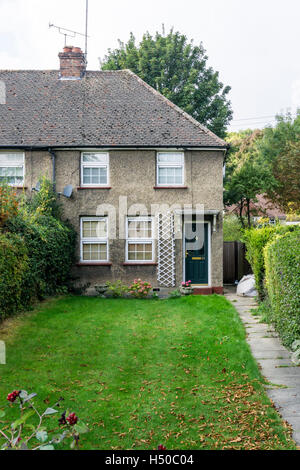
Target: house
point(262, 208)
point(144, 179)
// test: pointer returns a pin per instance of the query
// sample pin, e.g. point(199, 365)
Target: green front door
point(196, 253)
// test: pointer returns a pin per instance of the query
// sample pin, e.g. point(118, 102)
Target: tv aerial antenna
point(72, 34)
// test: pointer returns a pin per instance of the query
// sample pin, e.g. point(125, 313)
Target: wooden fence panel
point(235, 265)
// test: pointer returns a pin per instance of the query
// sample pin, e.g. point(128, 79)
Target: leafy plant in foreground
point(24, 435)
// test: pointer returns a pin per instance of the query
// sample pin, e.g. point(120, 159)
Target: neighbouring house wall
point(37, 164)
point(133, 174)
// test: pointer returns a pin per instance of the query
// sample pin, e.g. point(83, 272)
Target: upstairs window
point(12, 168)
point(139, 240)
point(94, 169)
point(93, 240)
point(170, 169)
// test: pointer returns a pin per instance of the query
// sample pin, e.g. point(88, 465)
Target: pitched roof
point(105, 108)
point(262, 208)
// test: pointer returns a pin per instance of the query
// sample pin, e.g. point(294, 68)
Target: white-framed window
point(94, 169)
point(139, 240)
point(12, 168)
point(93, 239)
point(170, 169)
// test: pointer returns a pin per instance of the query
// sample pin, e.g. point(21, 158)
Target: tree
point(287, 173)
point(280, 148)
point(247, 174)
point(178, 70)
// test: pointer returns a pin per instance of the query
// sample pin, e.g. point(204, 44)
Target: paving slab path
point(274, 361)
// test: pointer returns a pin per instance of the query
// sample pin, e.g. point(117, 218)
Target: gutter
point(112, 147)
point(53, 157)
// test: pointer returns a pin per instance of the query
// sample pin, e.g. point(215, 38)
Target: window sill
point(170, 187)
point(79, 188)
point(140, 264)
point(17, 187)
point(94, 264)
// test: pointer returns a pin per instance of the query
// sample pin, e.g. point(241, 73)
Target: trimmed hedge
point(36, 248)
point(13, 269)
point(50, 244)
point(282, 264)
point(256, 239)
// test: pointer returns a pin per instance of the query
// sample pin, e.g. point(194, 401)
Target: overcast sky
point(253, 44)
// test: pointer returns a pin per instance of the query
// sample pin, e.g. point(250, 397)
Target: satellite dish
point(37, 188)
point(68, 190)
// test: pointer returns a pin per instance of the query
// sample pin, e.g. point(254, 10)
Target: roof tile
point(105, 108)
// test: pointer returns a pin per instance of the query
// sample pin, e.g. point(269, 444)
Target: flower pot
point(186, 290)
point(101, 289)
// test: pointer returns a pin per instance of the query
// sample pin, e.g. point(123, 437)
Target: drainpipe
point(53, 157)
point(215, 223)
point(225, 161)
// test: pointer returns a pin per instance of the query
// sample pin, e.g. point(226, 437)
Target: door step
point(208, 290)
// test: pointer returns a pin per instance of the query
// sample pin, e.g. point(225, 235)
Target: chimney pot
point(72, 63)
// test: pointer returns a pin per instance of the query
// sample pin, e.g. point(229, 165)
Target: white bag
point(246, 286)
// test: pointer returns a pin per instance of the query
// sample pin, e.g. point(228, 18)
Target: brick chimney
point(72, 63)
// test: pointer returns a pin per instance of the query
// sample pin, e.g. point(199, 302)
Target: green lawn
point(144, 372)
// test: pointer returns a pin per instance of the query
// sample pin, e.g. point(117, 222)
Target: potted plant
point(186, 288)
point(101, 289)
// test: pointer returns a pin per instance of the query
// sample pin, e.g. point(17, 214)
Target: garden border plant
point(138, 289)
point(282, 265)
point(14, 267)
point(274, 255)
point(38, 261)
point(256, 239)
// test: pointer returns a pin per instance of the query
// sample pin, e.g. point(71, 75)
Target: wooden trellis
point(166, 250)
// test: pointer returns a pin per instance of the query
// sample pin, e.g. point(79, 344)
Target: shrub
point(45, 201)
point(50, 244)
point(232, 228)
point(175, 294)
point(13, 270)
point(264, 311)
point(37, 248)
point(255, 240)
point(282, 262)
point(8, 203)
point(140, 289)
point(116, 289)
